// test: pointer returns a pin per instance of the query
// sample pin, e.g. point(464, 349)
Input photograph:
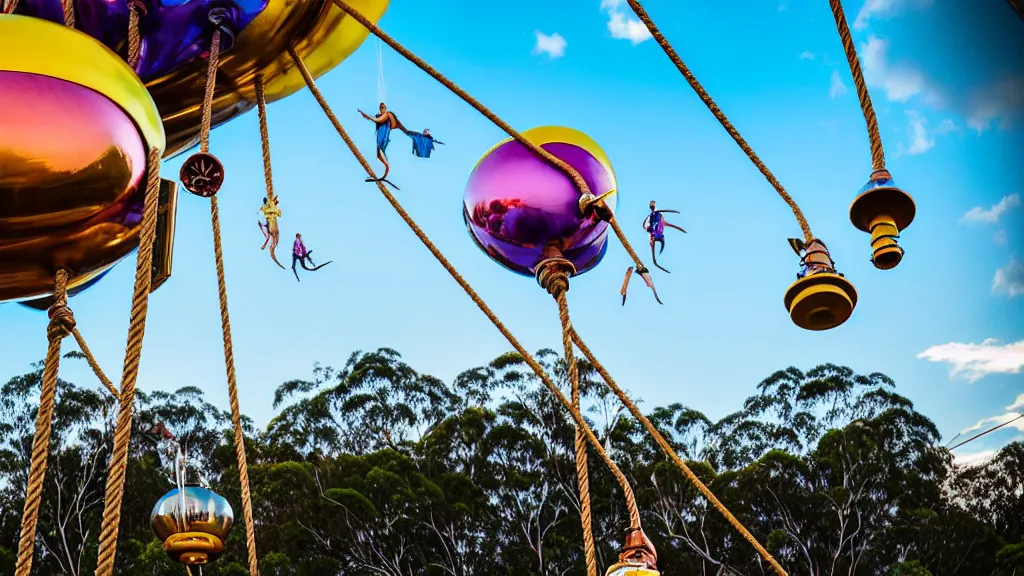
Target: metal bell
point(197, 536)
point(638, 557)
point(883, 210)
point(821, 298)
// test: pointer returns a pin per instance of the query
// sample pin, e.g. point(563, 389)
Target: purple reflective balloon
point(516, 203)
point(173, 32)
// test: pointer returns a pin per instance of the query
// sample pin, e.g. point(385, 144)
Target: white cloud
point(1002, 102)
point(1019, 403)
point(806, 55)
point(920, 140)
point(992, 215)
point(945, 127)
point(836, 87)
point(883, 8)
point(622, 27)
point(973, 458)
point(1010, 279)
point(999, 238)
point(899, 81)
point(975, 361)
point(553, 45)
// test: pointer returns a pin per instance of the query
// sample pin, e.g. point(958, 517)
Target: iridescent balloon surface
point(172, 32)
point(205, 510)
point(70, 165)
point(516, 203)
point(74, 135)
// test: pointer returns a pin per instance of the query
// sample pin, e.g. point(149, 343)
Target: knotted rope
point(580, 423)
point(62, 322)
point(554, 278)
point(93, 363)
point(129, 376)
point(877, 152)
point(225, 320)
point(703, 95)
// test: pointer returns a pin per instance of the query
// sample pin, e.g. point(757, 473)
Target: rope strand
point(93, 363)
point(69, 12)
point(261, 103)
point(557, 284)
point(703, 95)
point(447, 265)
point(877, 152)
point(135, 9)
point(667, 448)
point(129, 376)
point(12, 5)
point(62, 321)
point(225, 320)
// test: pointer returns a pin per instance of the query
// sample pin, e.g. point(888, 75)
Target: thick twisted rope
point(136, 8)
point(703, 95)
point(261, 103)
point(93, 363)
point(554, 277)
point(69, 12)
point(575, 176)
point(225, 320)
point(877, 152)
point(62, 322)
point(129, 376)
point(667, 448)
point(447, 265)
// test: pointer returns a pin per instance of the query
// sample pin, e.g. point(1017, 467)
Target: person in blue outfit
point(654, 225)
point(423, 143)
point(386, 121)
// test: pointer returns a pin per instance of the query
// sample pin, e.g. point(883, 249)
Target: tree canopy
point(375, 468)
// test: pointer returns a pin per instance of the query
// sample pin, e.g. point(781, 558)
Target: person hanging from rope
point(386, 121)
point(300, 255)
point(271, 233)
point(423, 143)
point(654, 225)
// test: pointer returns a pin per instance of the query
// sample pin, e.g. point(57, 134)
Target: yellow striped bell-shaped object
point(630, 569)
point(883, 210)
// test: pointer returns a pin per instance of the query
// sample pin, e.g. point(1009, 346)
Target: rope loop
point(62, 320)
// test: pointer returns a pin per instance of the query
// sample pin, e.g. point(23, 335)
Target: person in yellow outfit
point(271, 233)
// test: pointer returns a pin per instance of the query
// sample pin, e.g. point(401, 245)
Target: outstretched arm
point(365, 115)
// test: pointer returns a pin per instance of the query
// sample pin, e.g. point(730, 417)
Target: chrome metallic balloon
point(516, 203)
point(319, 32)
point(74, 135)
point(196, 536)
point(172, 32)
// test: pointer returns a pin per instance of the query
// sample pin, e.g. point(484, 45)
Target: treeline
point(375, 468)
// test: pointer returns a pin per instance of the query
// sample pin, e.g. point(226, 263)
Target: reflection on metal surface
point(321, 34)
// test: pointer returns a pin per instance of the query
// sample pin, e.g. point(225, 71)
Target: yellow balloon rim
point(547, 134)
point(37, 46)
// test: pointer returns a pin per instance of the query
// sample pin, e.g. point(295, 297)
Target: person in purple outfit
point(301, 255)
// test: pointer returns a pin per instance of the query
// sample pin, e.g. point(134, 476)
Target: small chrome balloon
point(197, 536)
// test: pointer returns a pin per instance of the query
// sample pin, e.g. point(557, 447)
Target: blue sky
point(946, 324)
